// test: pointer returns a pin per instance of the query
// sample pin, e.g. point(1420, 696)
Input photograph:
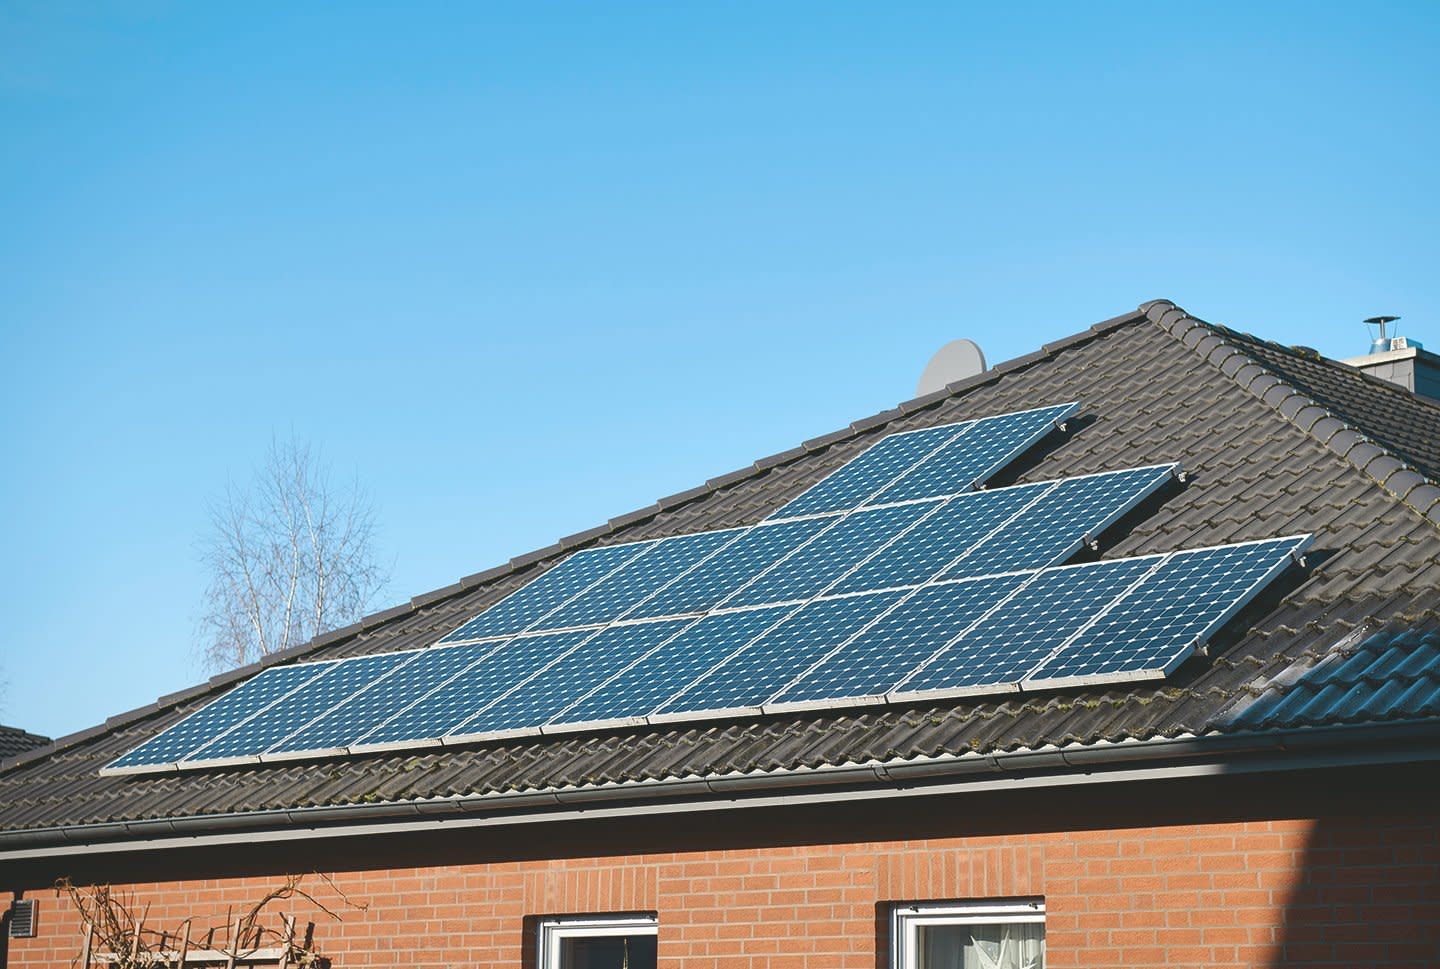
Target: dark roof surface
point(1274, 441)
point(15, 741)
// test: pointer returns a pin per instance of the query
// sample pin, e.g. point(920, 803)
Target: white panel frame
point(906, 920)
point(552, 933)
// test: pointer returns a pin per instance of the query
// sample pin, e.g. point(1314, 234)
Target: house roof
point(1274, 440)
point(15, 741)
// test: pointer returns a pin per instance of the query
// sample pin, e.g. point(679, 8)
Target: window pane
point(943, 946)
point(608, 952)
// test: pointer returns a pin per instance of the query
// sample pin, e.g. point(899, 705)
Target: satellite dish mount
point(956, 360)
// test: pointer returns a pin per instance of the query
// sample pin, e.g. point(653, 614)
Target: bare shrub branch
point(121, 940)
point(289, 557)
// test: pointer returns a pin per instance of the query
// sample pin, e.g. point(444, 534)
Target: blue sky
point(522, 268)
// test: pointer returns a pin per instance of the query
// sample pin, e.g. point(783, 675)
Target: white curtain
point(1017, 945)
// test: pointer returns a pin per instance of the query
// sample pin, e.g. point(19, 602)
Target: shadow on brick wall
point(1367, 894)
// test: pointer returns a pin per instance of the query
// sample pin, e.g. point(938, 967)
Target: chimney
point(1401, 361)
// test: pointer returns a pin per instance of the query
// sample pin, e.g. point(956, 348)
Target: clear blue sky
point(523, 268)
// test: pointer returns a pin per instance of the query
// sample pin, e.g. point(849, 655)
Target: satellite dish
point(954, 361)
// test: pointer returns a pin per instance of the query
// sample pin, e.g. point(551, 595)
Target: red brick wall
point(1358, 890)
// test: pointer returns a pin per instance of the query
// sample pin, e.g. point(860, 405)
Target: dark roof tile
point(877, 420)
point(784, 457)
point(489, 575)
point(539, 555)
point(14, 741)
point(584, 538)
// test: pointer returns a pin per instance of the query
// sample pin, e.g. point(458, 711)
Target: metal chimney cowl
point(1401, 361)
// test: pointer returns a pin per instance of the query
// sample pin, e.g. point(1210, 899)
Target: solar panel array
point(890, 579)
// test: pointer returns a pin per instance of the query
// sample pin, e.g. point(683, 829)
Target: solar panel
point(470, 691)
point(938, 540)
point(767, 664)
point(860, 477)
point(665, 671)
point(1023, 629)
point(530, 603)
point(814, 566)
point(347, 723)
point(1061, 520)
point(613, 595)
point(711, 581)
point(872, 663)
point(257, 693)
point(315, 698)
point(569, 678)
point(1161, 621)
point(969, 459)
point(888, 581)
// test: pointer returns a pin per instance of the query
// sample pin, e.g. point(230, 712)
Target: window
point(618, 942)
point(986, 935)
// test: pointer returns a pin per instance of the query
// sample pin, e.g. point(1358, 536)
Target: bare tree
point(290, 557)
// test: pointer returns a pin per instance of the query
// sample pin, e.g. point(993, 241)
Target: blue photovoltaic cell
point(731, 567)
point(1054, 528)
point(876, 660)
point(665, 672)
point(938, 540)
point(974, 456)
point(609, 598)
point(474, 688)
point(830, 555)
point(346, 724)
point(208, 723)
point(315, 698)
point(530, 603)
point(572, 676)
point(1157, 625)
point(1024, 629)
point(756, 675)
point(861, 477)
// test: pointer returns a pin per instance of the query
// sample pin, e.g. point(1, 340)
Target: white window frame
point(907, 919)
point(554, 931)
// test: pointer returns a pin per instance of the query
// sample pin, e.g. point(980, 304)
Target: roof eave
point(1213, 754)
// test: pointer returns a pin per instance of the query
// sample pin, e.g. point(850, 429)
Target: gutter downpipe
point(1188, 756)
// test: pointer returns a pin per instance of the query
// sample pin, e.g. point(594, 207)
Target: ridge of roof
point(1354, 373)
point(1403, 421)
point(570, 543)
point(1214, 345)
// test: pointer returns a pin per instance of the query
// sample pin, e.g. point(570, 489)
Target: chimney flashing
point(1413, 368)
point(1385, 356)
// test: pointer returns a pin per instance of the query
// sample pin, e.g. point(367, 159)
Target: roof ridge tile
point(1273, 390)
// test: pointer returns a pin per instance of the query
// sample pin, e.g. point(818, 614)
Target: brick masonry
point(1340, 891)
